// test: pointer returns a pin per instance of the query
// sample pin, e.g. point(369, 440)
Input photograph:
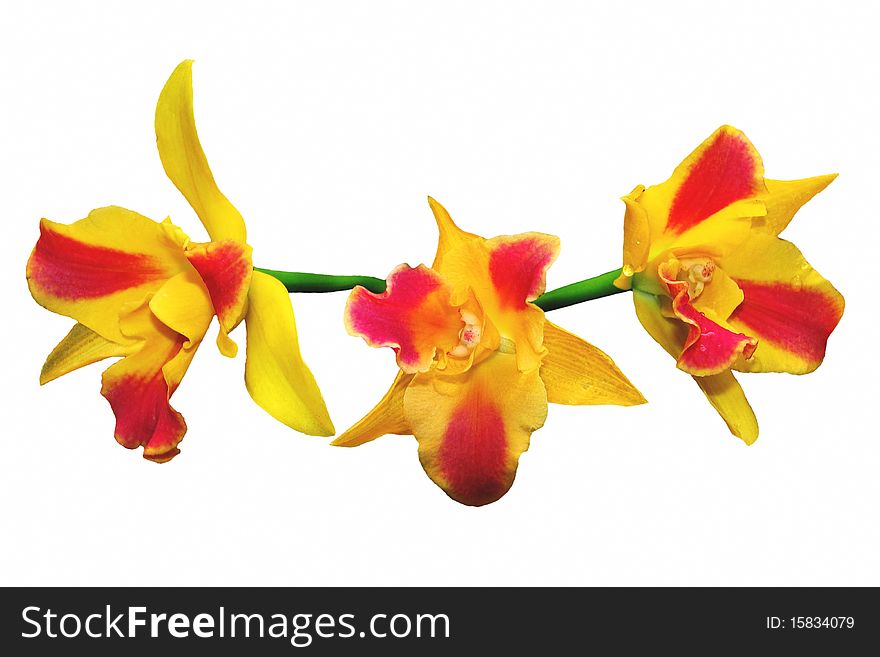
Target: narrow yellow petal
point(226, 345)
point(185, 161)
point(785, 198)
point(577, 373)
point(728, 398)
point(451, 235)
point(636, 239)
point(275, 374)
point(387, 417)
point(81, 347)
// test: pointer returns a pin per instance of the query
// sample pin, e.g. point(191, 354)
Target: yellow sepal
point(727, 397)
point(386, 417)
point(276, 376)
point(577, 373)
point(185, 162)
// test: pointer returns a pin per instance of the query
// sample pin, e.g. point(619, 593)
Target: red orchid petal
point(796, 322)
point(226, 269)
point(413, 316)
point(709, 347)
point(726, 168)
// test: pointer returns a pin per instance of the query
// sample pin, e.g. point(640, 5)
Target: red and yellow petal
point(414, 316)
point(140, 386)
point(710, 199)
point(226, 268)
point(472, 428)
point(90, 269)
point(709, 348)
point(518, 267)
point(787, 305)
point(724, 169)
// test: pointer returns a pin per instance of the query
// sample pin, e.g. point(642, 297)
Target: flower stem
point(569, 295)
point(296, 281)
point(586, 290)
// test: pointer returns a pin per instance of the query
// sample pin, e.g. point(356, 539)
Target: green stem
point(586, 290)
point(296, 281)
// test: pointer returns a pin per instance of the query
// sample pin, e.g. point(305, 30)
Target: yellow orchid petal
point(472, 428)
point(185, 162)
point(717, 235)
point(92, 268)
point(785, 197)
point(787, 305)
point(80, 347)
point(727, 397)
point(636, 239)
point(577, 373)
point(275, 374)
point(184, 306)
point(226, 345)
point(451, 236)
point(386, 417)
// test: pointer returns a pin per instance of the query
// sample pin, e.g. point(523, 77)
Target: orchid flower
point(142, 290)
point(478, 361)
point(714, 284)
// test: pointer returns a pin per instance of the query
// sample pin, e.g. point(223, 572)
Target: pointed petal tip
point(630, 396)
point(317, 424)
point(636, 398)
point(325, 425)
point(184, 66)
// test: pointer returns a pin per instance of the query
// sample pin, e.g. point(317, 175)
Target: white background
point(327, 124)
